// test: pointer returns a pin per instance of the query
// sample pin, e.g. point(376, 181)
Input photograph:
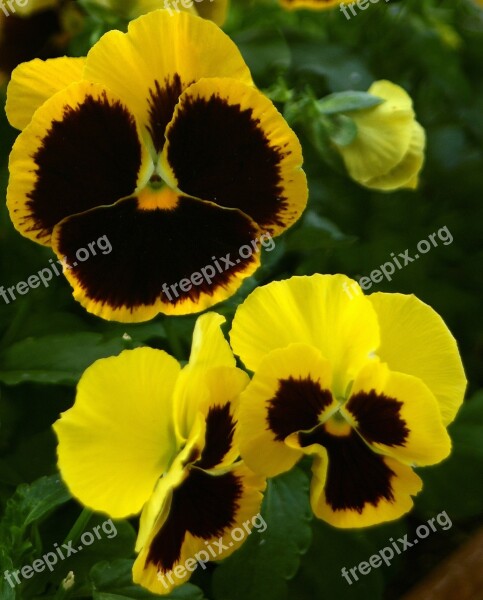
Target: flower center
point(157, 195)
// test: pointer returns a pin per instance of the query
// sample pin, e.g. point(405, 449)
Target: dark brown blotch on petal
point(296, 406)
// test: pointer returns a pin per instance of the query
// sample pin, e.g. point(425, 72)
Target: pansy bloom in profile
point(366, 385)
point(146, 435)
point(159, 141)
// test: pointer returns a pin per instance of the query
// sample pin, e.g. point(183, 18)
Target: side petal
point(81, 149)
point(160, 260)
point(329, 312)
point(34, 82)
point(227, 143)
point(398, 416)
point(416, 341)
point(118, 438)
point(221, 447)
point(290, 392)
point(204, 513)
point(159, 56)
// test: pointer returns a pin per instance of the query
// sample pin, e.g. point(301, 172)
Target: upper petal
point(34, 82)
point(82, 149)
point(159, 56)
point(228, 143)
point(118, 438)
point(321, 311)
point(416, 341)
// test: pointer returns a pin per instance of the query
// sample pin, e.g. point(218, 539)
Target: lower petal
point(178, 260)
point(352, 486)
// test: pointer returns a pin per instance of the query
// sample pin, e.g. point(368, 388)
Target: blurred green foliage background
point(434, 49)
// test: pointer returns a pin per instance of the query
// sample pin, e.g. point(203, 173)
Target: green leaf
point(317, 233)
point(265, 51)
point(31, 503)
point(342, 130)
point(456, 485)
point(267, 560)
point(57, 359)
point(331, 550)
point(347, 101)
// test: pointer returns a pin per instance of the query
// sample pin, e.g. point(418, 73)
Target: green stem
point(74, 534)
point(173, 338)
point(79, 526)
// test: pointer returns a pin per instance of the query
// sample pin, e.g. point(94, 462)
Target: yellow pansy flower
point(159, 141)
point(388, 151)
point(366, 385)
point(146, 435)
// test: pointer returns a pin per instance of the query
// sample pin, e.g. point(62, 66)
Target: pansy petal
point(225, 385)
point(209, 349)
point(162, 259)
point(204, 511)
point(288, 393)
point(398, 416)
point(329, 312)
point(404, 174)
point(118, 438)
point(34, 82)
point(81, 149)
point(227, 143)
point(416, 341)
point(352, 486)
point(160, 500)
point(160, 56)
